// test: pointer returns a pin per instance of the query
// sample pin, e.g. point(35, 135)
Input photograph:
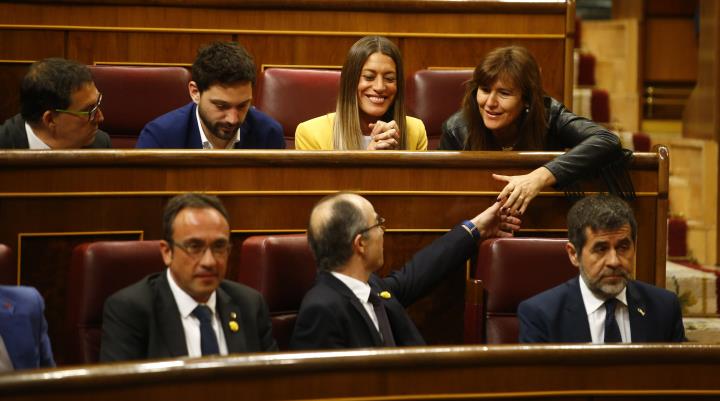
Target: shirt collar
point(186, 304)
point(206, 144)
point(361, 289)
point(34, 142)
point(593, 302)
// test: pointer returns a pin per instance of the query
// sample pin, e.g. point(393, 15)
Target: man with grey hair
point(351, 307)
point(603, 304)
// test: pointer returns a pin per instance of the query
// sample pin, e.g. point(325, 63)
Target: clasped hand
point(385, 136)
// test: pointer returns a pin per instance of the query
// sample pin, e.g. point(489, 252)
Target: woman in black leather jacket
point(505, 109)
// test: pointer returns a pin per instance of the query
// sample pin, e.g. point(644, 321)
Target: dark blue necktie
point(208, 339)
point(612, 331)
point(383, 321)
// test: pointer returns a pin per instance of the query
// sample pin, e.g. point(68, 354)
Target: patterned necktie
point(612, 331)
point(208, 339)
point(383, 321)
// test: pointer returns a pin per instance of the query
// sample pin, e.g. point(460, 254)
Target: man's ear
point(359, 244)
point(48, 119)
point(166, 252)
point(572, 254)
point(194, 92)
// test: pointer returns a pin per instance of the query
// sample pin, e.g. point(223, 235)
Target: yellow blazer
point(316, 134)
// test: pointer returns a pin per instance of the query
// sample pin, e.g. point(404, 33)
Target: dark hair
point(189, 200)
point(346, 131)
point(332, 239)
point(516, 65)
point(49, 85)
point(599, 212)
point(223, 63)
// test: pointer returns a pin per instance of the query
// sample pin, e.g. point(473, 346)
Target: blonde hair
point(347, 133)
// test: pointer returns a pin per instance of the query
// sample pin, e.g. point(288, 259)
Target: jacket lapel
point(637, 309)
point(168, 319)
point(229, 311)
point(343, 290)
point(194, 141)
point(577, 326)
point(19, 133)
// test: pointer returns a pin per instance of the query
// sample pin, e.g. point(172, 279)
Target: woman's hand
point(521, 189)
point(384, 135)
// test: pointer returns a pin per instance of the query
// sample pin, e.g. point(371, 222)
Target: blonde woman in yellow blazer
point(370, 112)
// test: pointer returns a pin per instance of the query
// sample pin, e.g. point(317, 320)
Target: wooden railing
point(551, 372)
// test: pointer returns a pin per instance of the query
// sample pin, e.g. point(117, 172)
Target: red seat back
point(97, 271)
point(513, 270)
point(435, 95)
point(292, 96)
point(134, 96)
point(282, 268)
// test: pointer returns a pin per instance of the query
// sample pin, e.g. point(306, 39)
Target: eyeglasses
point(91, 114)
point(380, 223)
point(196, 250)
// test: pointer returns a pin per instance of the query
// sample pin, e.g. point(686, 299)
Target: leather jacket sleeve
point(591, 146)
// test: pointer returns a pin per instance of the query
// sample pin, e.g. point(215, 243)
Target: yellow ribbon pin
point(385, 295)
point(234, 327)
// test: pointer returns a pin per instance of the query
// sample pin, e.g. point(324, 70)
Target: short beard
point(215, 128)
point(605, 291)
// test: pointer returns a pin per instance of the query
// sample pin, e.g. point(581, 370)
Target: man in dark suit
point(24, 342)
point(188, 309)
point(603, 304)
point(60, 109)
point(221, 115)
point(351, 307)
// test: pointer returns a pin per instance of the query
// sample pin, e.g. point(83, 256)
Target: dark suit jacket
point(23, 327)
point(143, 321)
point(558, 315)
point(13, 136)
point(331, 316)
point(179, 129)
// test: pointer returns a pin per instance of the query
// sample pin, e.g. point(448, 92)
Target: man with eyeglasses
point(350, 306)
point(60, 109)
point(188, 309)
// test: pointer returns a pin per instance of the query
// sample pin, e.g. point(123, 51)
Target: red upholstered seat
point(97, 271)
point(292, 96)
point(508, 271)
point(641, 142)
point(134, 96)
point(433, 96)
point(282, 268)
point(8, 267)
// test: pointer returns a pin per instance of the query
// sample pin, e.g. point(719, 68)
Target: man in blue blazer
point(602, 304)
point(220, 115)
point(350, 306)
point(23, 329)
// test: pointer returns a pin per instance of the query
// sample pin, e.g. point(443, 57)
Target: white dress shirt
point(6, 364)
point(206, 144)
point(34, 141)
point(362, 292)
point(191, 325)
point(595, 309)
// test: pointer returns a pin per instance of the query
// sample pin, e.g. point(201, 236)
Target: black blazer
point(13, 135)
point(143, 322)
point(558, 315)
point(331, 316)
